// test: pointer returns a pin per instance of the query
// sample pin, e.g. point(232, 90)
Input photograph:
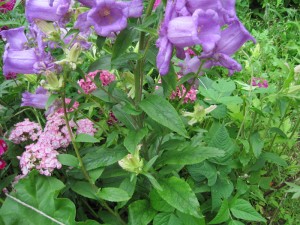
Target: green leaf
point(277, 131)
point(177, 193)
point(223, 214)
point(206, 169)
point(242, 209)
point(256, 143)
point(68, 160)
point(140, 213)
point(86, 138)
point(113, 194)
point(122, 60)
point(133, 138)
point(39, 192)
point(85, 189)
point(123, 41)
point(294, 189)
point(161, 111)
point(103, 157)
point(169, 82)
point(103, 63)
point(166, 219)
point(235, 222)
point(191, 155)
point(158, 203)
point(100, 42)
point(190, 220)
point(124, 117)
point(222, 189)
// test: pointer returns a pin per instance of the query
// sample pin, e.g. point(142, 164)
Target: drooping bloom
point(7, 6)
point(156, 4)
point(25, 131)
point(37, 100)
point(41, 9)
point(15, 38)
point(3, 147)
point(108, 16)
point(202, 27)
point(232, 39)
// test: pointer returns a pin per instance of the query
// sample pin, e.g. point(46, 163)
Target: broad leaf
point(177, 193)
point(257, 144)
point(166, 219)
point(68, 160)
point(40, 193)
point(133, 138)
point(140, 213)
point(242, 209)
point(113, 194)
point(86, 138)
point(161, 111)
point(223, 214)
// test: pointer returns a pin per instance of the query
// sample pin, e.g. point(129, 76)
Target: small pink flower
point(2, 164)
point(25, 131)
point(156, 4)
point(8, 6)
point(88, 85)
point(85, 126)
point(3, 147)
point(259, 82)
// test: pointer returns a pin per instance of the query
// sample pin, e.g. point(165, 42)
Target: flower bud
point(132, 163)
point(53, 83)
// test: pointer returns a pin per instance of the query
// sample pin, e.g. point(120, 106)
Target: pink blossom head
point(2, 164)
point(259, 82)
point(7, 6)
point(3, 147)
point(25, 131)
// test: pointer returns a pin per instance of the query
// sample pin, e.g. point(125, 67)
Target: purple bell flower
point(232, 39)
point(200, 28)
point(19, 61)
point(109, 16)
point(15, 38)
point(55, 10)
point(37, 100)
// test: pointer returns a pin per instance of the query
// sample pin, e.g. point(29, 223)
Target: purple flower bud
point(108, 16)
point(37, 100)
point(41, 9)
point(15, 38)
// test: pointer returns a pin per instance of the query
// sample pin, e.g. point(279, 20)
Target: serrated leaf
point(161, 111)
point(103, 157)
point(179, 194)
point(133, 138)
point(113, 194)
point(166, 219)
point(68, 160)
point(242, 209)
point(191, 155)
point(140, 213)
point(256, 143)
point(158, 203)
point(86, 138)
point(223, 214)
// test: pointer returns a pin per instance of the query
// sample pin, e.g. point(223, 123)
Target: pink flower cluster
point(3, 149)
point(25, 131)
point(88, 84)
point(181, 92)
point(156, 4)
point(259, 82)
point(40, 156)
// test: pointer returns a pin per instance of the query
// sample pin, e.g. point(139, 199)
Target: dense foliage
point(100, 123)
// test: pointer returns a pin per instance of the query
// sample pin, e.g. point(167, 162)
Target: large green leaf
point(134, 138)
point(242, 209)
point(113, 194)
point(103, 157)
point(38, 195)
point(177, 193)
point(140, 213)
point(257, 144)
point(223, 214)
point(123, 41)
point(166, 219)
point(158, 203)
point(191, 155)
point(161, 111)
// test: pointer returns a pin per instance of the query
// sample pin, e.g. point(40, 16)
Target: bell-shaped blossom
point(41, 9)
point(19, 61)
point(232, 39)
point(108, 16)
point(15, 38)
point(200, 28)
point(37, 100)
